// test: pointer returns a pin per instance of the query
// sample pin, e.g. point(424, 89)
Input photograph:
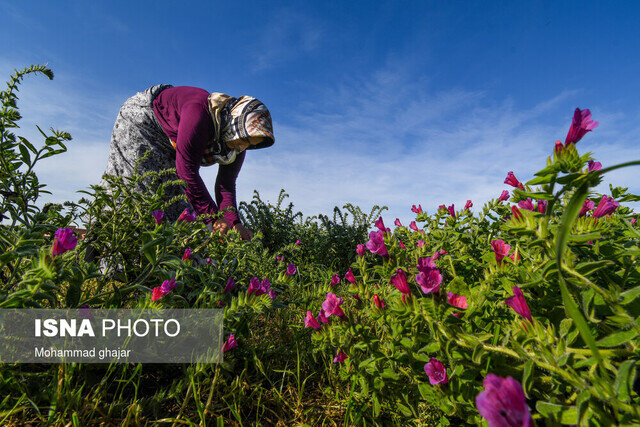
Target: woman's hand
point(220, 225)
point(245, 233)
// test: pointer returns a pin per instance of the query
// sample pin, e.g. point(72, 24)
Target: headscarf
point(242, 119)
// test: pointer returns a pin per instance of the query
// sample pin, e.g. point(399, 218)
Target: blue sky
point(389, 103)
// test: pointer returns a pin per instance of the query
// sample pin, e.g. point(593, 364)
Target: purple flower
point(429, 281)
point(500, 248)
point(558, 147)
point(298, 242)
point(586, 207)
point(349, 276)
point(513, 181)
point(335, 279)
point(64, 241)
point(158, 215)
point(420, 243)
point(340, 357)
point(594, 166)
point(502, 403)
point(160, 291)
point(504, 196)
point(442, 208)
point(356, 296)
point(542, 206)
point(397, 222)
point(413, 226)
point(527, 204)
point(436, 372)
point(580, 125)
point(376, 243)
point(360, 249)
point(426, 264)
point(452, 210)
point(208, 260)
point(331, 305)
point(265, 285)
point(311, 322)
point(255, 287)
point(468, 205)
point(380, 225)
point(187, 254)
point(231, 343)
point(606, 207)
point(291, 269)
point(322, 318)
point(279, 257)
point(402, 246)
point(399, 280)
point(519, 304)
point(187, 216)
point(230, 285)
point(439, 254)
point(417, 210)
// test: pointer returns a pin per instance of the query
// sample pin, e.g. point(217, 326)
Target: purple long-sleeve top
point(184, 116)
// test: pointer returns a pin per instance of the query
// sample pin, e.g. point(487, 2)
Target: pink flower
point(376, 243)
point(586, 207)
point(580, 125)
point(417, 210)
point(160, 291)
point(349, 276)
point(360, 250)
point(64, 241)
point(340, 357)
point(606, 207)
point(468, 205)
point(426, 264)
point(331, 305)
point(594, 166)
point(542, 206)
point(439, 254)
point(452, 210)
point(380, 225)
point(402, 246)
point(298, 242)
point(208, 260)
point(457, 300)
point(519, 304)
point(279, 257)
point(335, 279)
point(187, 254)
point(399, 280)
point(158, 215)
point(322, 317)
point(222, 304)
point(513, 257)
point(429, 281)
point(413, 226)
point(500, 248)
point(442, 207)
point(291, 270)
point(504, 196)
point(420, 243)
point(265, 287)
point(526, 204)
point(502, 403)
point(398, 223)
point(436, 372)
point(231, 343)
point(187, 216)
point(513, 181)
point(378, 301)
point(311, 322)
point(633, 221)
point(558, 147)
point(356, 296)
point(516, 213)
point(230, 285)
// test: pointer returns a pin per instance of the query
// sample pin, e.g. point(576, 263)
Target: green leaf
point(579, 238)
point(622, 385)
point(564, 414)
point(526, 375)
point(630, 295)
point(568, 218)
point(544, 179)
point(617, 338)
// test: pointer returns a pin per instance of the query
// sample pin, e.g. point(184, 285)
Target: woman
point(187, 127)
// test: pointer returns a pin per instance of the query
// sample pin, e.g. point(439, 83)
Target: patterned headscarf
point(243, 119)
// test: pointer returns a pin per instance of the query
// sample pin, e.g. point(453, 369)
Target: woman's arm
point(225, 188)
point(194, 130)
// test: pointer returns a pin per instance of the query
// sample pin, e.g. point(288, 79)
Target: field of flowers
point(526, 312)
